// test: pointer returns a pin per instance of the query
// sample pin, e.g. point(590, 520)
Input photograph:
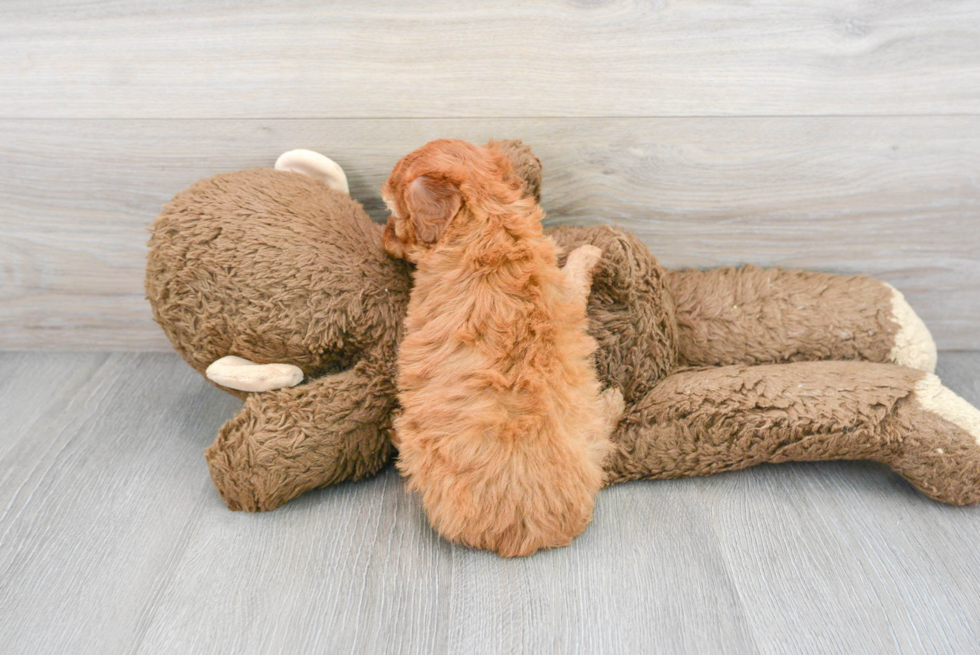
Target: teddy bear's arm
point(752, 315)
point(704, 421)
point(288, 441)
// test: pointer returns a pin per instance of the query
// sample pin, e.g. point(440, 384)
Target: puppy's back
point(501, 430)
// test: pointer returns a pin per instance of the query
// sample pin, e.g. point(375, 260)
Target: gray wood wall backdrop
point(840, 135)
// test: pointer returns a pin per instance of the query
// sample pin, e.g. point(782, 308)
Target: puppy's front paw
point(584, 258)
point(578, 272)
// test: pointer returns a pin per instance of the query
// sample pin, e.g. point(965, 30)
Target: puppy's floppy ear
point(432, 202)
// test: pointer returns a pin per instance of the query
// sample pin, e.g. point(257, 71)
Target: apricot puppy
point(503, 430)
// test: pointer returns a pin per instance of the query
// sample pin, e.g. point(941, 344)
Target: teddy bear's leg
point(285, 442)
point(751, 315)
point(703, 421)
point(315, 165)
point(578, 272)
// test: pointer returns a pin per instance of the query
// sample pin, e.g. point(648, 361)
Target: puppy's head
point(442, 183)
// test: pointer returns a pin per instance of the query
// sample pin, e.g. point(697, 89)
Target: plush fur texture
point(502, 431)
point(276, 267)
point(728, 417)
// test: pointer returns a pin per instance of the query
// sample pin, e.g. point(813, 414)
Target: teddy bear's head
point(273, 266)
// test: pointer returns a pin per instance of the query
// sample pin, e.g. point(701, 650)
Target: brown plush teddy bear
point(272, 276)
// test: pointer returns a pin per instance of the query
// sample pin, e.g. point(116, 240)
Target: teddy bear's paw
point(315, 165)
point(936, 398)
point(244, 375)
point(914, 346)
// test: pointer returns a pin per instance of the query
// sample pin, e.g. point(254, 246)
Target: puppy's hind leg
point(578, 272)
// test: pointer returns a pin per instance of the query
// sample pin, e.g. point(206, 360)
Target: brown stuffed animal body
point(719, 369)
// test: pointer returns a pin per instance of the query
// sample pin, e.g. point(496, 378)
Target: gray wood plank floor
point(112, 540)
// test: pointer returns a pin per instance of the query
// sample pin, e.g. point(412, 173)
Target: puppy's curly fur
point(503, 429)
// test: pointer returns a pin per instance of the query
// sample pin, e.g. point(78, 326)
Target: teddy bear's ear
point(432, 203)
point(526, 164)
point(315, 165)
